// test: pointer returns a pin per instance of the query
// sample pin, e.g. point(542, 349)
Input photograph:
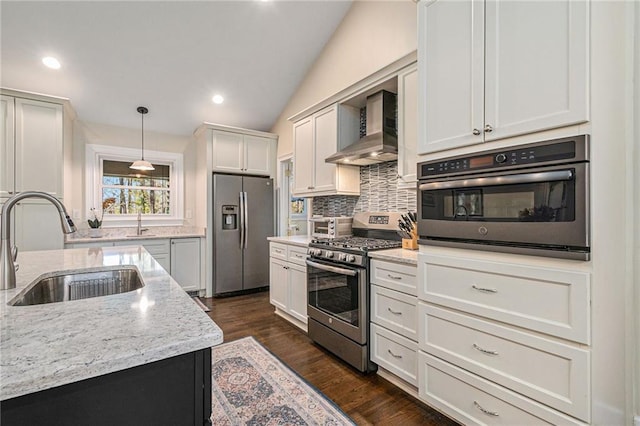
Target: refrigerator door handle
point(246, 220)
point(242, 213)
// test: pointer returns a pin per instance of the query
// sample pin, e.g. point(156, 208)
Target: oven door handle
point(335, 269)
point(559, 175)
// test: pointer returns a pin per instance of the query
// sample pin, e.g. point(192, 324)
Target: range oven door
point(338, 298)
point(543, 207)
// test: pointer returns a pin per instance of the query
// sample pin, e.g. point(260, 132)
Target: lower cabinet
point(288, 282)
point(394, 321)
point(173, 391)
point(502, 341)
point(180, 257)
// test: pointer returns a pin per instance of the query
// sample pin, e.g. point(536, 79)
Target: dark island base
point(173, 391)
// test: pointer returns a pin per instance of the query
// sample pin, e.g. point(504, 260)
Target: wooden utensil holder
point(410, 243)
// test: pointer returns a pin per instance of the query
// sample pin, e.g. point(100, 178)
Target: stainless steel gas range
point(338, 286)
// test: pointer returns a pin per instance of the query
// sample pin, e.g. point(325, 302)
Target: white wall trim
point(93, 155)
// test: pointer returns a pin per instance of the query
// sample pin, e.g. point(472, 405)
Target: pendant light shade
point(142, 164)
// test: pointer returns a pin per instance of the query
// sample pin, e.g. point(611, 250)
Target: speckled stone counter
point(295, 240)
point(129, 234)
point(409, 257)
point(44, 346)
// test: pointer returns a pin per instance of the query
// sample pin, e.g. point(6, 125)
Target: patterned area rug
point(253, 387)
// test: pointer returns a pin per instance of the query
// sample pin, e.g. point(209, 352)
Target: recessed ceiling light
point(217, 99)
point(374, 154)
point(51, 62)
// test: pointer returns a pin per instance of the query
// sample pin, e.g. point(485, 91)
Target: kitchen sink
point(79, 284)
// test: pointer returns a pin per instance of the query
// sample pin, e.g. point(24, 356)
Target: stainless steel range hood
point(380, 143)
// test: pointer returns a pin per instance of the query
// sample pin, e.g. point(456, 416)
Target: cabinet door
point(451, 76)
point(278, 284)
point(185, 262)
point(257, 155)
point(38, 150)
point(298, 292)
point(536, 65)
point(407, 127)
point(303, 156)
point(7, 145)
point(37, 226)
point(325, 127)
point(228, 152)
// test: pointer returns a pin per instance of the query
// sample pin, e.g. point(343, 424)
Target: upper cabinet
point(495, 69)
point(317, 137)
point(243, 153)
point(407, 127)
point(31, 146)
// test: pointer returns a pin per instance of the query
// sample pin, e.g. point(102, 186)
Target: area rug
point(252, 387)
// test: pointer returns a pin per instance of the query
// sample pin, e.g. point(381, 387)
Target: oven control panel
point(526, 155)
point(336, 256)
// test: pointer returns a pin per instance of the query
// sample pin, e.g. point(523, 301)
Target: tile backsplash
point(379, 192)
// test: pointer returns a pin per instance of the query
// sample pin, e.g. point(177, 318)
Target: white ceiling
point(171, 56)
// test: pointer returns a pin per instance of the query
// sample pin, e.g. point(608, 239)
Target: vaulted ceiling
point(170, 56)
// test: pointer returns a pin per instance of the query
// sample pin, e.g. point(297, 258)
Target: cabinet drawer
point(473, 400)
point(395, 311)
point(547, 371)
point(394, 276)
point(395, 353)
point(159, 246)
point(278, 251)
point(297, 255)
point(548, 300)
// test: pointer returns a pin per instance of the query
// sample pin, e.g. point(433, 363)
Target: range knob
point(316, 252)
point(351, 258)
point(501, 158)
point(342, 257)
point(328, 254)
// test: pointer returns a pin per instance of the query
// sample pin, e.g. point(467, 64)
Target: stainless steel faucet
point(140, 229)
point(8, 255)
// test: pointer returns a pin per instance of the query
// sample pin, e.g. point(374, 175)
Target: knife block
point(410, 243)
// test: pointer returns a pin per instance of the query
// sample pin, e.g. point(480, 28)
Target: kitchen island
point(129, 353)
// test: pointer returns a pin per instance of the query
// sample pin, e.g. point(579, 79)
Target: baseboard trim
point(302, 326)
point(395, 380)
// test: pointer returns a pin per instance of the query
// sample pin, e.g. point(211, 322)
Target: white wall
point(635, 151)
point(372, 35)
point(101, 134)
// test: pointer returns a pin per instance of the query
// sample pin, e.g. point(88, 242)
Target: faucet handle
point(16, 266)
point(14, 253)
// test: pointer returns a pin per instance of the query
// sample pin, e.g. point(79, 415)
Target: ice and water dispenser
point(229, 217)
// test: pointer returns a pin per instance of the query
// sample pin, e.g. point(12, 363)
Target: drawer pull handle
point(484, 351)
point(278, 251)
point(484, 410)
point(394, 312)
point(394, 355)
point(484, 290)
point(394, 277)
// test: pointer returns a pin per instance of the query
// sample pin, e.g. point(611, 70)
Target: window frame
point(96, 153)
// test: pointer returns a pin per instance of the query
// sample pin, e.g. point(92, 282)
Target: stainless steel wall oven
point(529, 199)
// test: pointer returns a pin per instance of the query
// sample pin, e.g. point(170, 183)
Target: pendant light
point(142, 164)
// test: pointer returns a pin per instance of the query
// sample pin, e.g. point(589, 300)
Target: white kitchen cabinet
point(185, 262)
point(314, 139)
point(31, 147)
point(158, 248)
point(288, 282)
point(36, 226)
point(407, 127)
point(495, 69)
point(523, 327)
point(242, 153)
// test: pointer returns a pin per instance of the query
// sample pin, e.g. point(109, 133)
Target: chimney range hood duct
point(380, 143)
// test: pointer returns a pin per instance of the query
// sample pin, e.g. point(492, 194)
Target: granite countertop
point(295, 240)
point(129, 234)
point(44, 346)
point(398, 255)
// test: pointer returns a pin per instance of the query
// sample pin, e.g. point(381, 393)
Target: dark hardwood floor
point(367, 399)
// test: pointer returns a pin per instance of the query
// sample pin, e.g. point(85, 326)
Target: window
point(121, 192)
point(126, 191)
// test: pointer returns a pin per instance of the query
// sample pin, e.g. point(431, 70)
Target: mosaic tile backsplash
point(379, 192)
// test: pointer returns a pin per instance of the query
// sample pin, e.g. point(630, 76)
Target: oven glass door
point(545, 206)
point(495, 201)
point(337, 297)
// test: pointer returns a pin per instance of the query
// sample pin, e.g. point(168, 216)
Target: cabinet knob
point(310, 187)
point(476, 132)
point(488, 128)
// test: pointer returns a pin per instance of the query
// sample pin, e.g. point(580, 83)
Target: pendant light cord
point(142, 136)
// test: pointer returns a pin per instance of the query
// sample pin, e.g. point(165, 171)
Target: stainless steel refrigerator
point(243, 218)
